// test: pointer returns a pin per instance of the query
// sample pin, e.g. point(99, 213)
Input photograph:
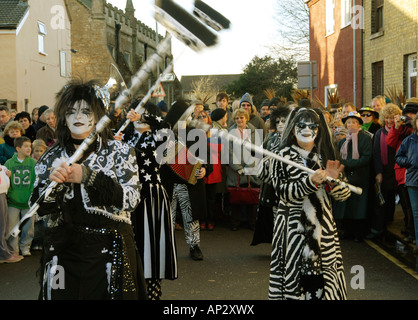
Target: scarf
point(384, 146)
point(352, 135)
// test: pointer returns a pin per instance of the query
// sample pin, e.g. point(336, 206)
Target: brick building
point(332, 47)
point(386, 46)
point(390, 47)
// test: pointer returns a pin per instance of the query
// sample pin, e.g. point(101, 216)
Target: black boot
point(196, 253)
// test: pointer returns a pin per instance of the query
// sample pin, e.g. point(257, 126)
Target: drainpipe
point(117, 32)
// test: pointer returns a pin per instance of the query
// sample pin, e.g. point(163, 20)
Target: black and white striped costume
point(305, 240)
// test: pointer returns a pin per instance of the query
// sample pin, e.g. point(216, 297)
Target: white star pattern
point(147, 162)
point(147, 177)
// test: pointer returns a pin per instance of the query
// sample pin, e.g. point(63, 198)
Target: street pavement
point(234, 270)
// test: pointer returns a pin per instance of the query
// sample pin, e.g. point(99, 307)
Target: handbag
point(243, 195)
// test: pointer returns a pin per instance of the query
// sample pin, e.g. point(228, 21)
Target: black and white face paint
point(306, 131)
point(80, 119)
point(280, 124)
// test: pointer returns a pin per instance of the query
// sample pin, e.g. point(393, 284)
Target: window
point(346, 12)
point(377, 15)
point(63, 66)
point(377, 79)
point(41, 37)
point(330, 19)
point(412, 76)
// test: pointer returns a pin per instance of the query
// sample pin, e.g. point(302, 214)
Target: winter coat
point(394, 140)
point(7, 149)
point(407, 157)
point(388, 171)
point(241, 163)
point(305, 239)
point(357, 172)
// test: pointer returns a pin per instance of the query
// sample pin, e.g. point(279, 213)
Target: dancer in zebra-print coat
point(306, 255)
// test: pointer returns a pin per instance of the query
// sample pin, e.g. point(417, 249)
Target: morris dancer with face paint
point(306, 256)
point(264, 225)
point(152, 219)
point(89, 250)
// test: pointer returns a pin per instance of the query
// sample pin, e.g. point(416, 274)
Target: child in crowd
point(6, 253)
point(38, 148)
point(7, 149)
point(22, 179)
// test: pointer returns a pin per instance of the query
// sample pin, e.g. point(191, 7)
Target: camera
point(403, 118)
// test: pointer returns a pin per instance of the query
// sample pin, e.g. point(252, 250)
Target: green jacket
point(21, 181)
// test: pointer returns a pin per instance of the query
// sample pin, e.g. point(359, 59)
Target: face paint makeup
point(80, 119)
point(280, 124)
point(306, 132)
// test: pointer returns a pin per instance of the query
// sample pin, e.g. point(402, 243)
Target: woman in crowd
point(370, 120)
point(407, 157)
point(384, 167)
point(24, 119)
point(215, 177)
point(89, 232)
point(356, 153)
point(242, 166)
point(264, 225)
point(306, 255)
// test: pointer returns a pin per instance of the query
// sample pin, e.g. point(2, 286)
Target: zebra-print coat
point(305, 239)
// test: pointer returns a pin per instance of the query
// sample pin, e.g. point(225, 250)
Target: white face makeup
point(280, 124)
point(80, 120)
point(306, 132)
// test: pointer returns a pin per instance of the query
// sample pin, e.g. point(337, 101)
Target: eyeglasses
point(202, 117)
point(312, 126)
point(281, 121)
point(366, 115)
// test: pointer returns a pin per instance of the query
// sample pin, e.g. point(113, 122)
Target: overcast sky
point(252, 31)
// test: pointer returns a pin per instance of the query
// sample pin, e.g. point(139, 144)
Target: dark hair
point(77, 90)
point(280, 112)
point(150, 107)
point(22, 115)
point(323, 140)
point(221, 96)
point(414, 122)
point(19, 141)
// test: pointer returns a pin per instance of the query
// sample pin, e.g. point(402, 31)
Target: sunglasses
point(366, 115)
point(201, 117)
point(312, 126)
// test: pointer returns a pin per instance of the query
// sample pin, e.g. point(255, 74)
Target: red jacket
point(394, 140)
point(215, 160)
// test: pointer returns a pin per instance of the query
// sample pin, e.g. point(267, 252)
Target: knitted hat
point(265, 102)
point(410, 107)
point(355, 115)
point(162, 105)
point(217, 114)
point(339, 130)
point(42, 110)
point(274, 102)
point(246, 98)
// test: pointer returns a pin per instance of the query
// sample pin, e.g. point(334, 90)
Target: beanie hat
point(410, 107)
point(163, 106)
point(265, 102)
point(42, 110)
point(217, 114)
point(246, 98)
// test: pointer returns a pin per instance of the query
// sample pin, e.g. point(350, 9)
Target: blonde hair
point(14, 125)
point(39, 143)
point(389, 109)
point(240, 112)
